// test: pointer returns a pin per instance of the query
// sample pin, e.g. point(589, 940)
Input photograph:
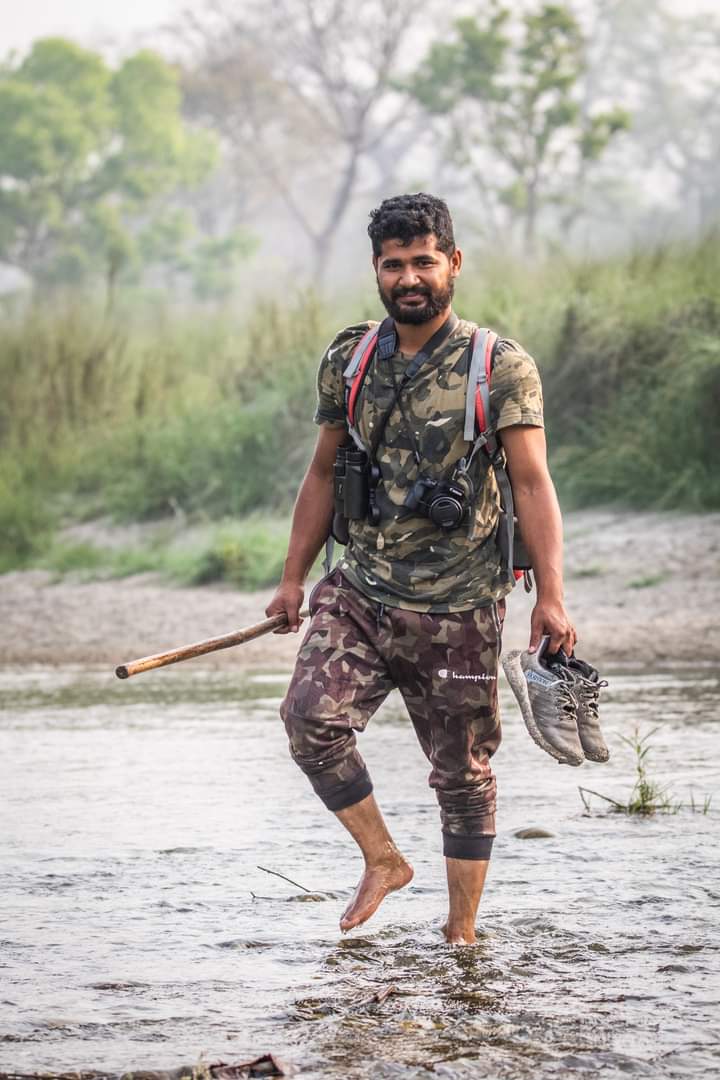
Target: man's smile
point(410, 297)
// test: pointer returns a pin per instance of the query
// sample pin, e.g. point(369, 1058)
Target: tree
point(89, 159)
point(669, 66)
point(303, 93)
point(508, 90)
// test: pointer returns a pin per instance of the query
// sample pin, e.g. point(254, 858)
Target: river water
point(137, 931)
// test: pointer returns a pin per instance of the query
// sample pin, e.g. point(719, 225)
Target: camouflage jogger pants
point(444, 665)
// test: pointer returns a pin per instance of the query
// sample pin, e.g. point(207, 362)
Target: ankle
point(385, 856)
point(460, 932)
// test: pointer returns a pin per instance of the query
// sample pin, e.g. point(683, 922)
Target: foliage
point(509, 87)
point(647, 796)
point(667, 63)
point(89, 156)
point(628, 353)
point(147, 415)
point(303, 96)
point(247, 554)
point(26, 517)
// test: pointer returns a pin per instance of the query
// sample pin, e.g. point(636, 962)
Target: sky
point(96, 24)
point(87, 21)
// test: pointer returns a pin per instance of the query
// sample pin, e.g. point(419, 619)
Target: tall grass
point(138, 420)
point(210, 415)
point(629, 350)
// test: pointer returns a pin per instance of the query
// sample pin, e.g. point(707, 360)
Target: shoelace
point(590, 691)
point(564, 693)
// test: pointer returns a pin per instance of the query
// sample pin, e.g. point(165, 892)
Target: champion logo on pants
point(445, 674)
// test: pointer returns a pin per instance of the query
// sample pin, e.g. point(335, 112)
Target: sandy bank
point(641, 588)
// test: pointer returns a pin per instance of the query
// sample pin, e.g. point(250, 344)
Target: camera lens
point(446, 512)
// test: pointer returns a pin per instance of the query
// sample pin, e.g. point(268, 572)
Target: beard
point(436, 301)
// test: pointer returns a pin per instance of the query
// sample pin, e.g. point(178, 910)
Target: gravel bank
point(641, 589)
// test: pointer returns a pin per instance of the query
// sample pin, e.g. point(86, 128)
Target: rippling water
point(138, 933)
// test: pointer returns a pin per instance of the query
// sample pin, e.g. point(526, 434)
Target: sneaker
point(587, 685)
point(545, 693)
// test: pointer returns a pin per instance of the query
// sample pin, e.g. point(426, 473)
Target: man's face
point(416, 281)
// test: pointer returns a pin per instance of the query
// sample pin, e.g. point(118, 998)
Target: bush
point(249, 556)
point(27, 517)
point(210, 418)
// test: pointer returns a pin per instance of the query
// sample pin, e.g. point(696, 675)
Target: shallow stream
point(137, 931)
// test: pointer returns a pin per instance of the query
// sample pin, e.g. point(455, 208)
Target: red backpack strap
point(482, 394)
point(355, 371)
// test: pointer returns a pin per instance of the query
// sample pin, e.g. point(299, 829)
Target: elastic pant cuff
point(467, 847)
point(353, 792)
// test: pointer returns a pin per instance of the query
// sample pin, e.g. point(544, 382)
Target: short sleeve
point(515, 389)
point(330, 409)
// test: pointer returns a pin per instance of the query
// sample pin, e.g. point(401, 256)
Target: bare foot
point(374, 885)
point(459, 935)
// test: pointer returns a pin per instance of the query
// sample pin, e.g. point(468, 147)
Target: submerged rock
point(533, 834)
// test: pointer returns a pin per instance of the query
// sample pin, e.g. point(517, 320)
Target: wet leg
point(385, 868)
point(445, 666)
point(465, 878)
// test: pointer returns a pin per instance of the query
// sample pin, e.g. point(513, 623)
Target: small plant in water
point(699, 808)
point(647, 796)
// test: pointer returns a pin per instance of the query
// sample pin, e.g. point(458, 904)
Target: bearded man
point(416, 601)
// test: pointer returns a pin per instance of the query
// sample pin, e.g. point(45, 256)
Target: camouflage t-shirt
point(407, 561)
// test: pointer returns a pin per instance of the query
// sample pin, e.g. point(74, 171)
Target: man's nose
point(408, 277)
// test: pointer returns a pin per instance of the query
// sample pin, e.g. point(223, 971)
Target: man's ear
point(456, 260)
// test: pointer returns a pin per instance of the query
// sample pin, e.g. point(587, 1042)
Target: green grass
point(629, 350)
point(588, 572)
point(160, 412)
point(647, 582)
point(247, 554)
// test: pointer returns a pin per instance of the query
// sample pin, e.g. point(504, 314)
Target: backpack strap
point(477, 405)
point(354, 375)
point(477, 429)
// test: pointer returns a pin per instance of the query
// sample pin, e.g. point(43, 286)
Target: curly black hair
point(405, 217)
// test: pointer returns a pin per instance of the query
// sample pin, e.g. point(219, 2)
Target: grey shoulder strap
point(477, 379)
point(351, 369)
point(476, 365)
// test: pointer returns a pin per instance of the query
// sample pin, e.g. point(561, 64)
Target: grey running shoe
point(587, 684)
point(547, 702)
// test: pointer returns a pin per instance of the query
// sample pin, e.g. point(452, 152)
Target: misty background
point(184, 193)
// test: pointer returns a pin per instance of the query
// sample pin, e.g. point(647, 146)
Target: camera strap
point(387, 346)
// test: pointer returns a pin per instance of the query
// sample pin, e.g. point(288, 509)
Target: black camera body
point(351, 482)
point(446, 503)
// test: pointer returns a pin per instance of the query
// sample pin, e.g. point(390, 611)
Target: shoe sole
point(601, 756)
point(596, 757)
point(516, 677)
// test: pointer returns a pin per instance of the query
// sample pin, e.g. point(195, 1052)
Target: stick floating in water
point(200, 648)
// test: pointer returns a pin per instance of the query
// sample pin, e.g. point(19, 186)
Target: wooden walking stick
point(187, 652)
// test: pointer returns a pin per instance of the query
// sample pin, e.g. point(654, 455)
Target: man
point(413, 605)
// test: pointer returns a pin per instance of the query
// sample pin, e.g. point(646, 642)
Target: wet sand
point(641, 589)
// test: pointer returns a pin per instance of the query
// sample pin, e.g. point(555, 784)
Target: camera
point(445, 502)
